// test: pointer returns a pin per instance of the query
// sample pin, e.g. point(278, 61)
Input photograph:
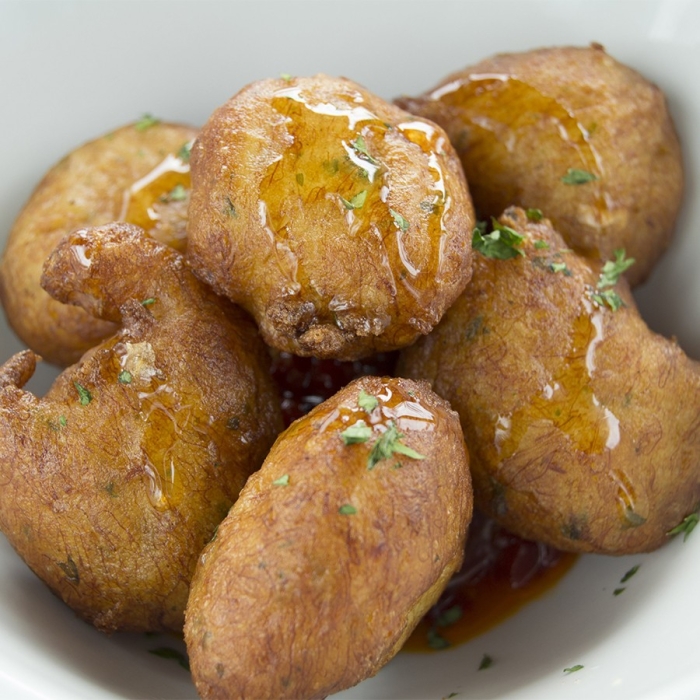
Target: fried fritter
point(573, 132)
point(335, 548)
point(583, 426)
point(340, 222)
point(138, 174)
point(117, 478)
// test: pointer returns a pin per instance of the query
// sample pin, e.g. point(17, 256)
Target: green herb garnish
point(388, 444)
point(578, 177)
point(177, 194)
point(501, 244)
point(560, 267)
point(609, 297)
point(610, 274)
point(168, 653)
point(630, 573)
point(83, 394)
point(282, 481)
point(486, 662)
point(436, 640)
point(148, 302)
point(286, 76)
point(686, 526)
point(534, 214)
point(617, 591)
point(573, 669)
point(185, 151)
point(399, 220)
point(367, 401)
point(449, 616)
point(361, 147)
point(347, 509)
point(356, 202)
point(540, 245)
point(358, 432)
point(146, 122)
point(125, 377)
point(62, 421)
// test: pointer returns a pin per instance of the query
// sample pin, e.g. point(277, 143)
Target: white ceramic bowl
point(71, 71)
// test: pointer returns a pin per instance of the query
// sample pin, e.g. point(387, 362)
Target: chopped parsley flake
point(608, 297)
point(367, 401)
point(177, 194)
point(501, 244)
point(399, 220)
point(560, 267)
point(686, 526)
point(436, 640)
point(361, 147)
point(573, 669)
point(146, 122)
point(168, 653)
point(282, 481)
point(358, 432)
point(185, 152)
point(617, 591)
point(125, 377)
point(356, 202)
point(388, 444)
point(534, 214)
point(541, 245)
point(62, 421)
point(630, 573)
point(612, 269)
point(148, 302)
point(83, 394)
point(486, 662)
point(578, 177)
point(286, 76)
point(347, 509)
point(449, 616)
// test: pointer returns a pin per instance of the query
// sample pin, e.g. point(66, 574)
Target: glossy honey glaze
point(337, 163)
point(146, 201)
point(498, 111)
point(501, 572)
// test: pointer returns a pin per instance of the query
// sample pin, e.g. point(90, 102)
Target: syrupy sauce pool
point(501, 572)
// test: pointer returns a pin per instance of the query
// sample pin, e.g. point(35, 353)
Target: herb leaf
point(356, 202)
point(357, 432)
point(361, 147)
point(486, 662)
point(185, 151)
point(574, 176)
point(347, 509)
point(367, 401)
point(573, 669)
point(146, 122)
point(534, 214)
point(125, 377)
point(540, 245)
point(449, 616)
point(387, 444)
point(399, 220)
point(148, 302)
point(617, 591)
point(630, 573)
point(560, 267)
point(177, 194)
point(83, 394)
point(612, 269)
point(686, 526)
point(436, 640)
point(168, 653)
point(282, 481)
point(609, 297)
point(501, 244)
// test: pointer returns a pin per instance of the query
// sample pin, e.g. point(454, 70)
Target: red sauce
point(501, 572)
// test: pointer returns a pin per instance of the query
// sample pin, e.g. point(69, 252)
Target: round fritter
point(583, 426)
point(335, 548)
point(573, 132)
point(138, 174)
point(114, 481)
point(340, 222)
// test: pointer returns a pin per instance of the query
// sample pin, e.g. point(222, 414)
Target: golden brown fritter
point(573, 132)
point(138, 174)
point(340, 222)
point(116, 479)
point(336, 547)
point(583, 426)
